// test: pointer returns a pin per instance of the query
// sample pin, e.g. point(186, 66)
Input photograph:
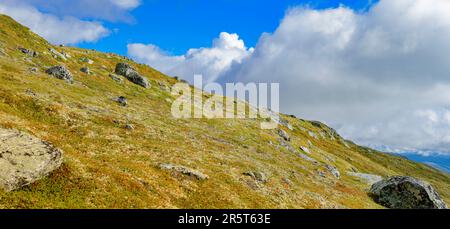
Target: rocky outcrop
point(184, 170)
point(132, 75)
point(25, 159)
point(406, 193)
point(60, 72)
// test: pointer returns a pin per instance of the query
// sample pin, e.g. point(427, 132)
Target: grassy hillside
point(108, 166)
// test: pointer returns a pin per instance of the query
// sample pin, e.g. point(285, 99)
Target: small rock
point(25, 159)
point(116, 78)
point(85, 70)
point(163, 86)
point(129, 127)
point(86, 60)
point(122, 101)
point(60, 72)
point(128, 72)
point(333, 170)
point(284, 135)
point(29, 52)
point(321, 174)
point(406, 193)
point(34, 70)
point(57, 54)
point(304, 149)
point(184, 170)
point(259, 176)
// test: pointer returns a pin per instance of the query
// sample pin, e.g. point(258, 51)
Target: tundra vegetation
point(123, 148)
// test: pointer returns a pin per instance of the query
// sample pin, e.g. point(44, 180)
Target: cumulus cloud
point(66, 30)
point(380, 77)
point(226, 50)
point(111, 10)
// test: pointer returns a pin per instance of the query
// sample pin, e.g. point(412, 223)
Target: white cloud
point(110, 10)
point(210, 62)
point(67, 30)
point(380, 77)
point(126, 4)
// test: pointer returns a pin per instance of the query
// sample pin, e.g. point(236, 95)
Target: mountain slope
point(109, 166)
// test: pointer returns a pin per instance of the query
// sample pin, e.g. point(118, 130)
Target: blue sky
point(178, 25)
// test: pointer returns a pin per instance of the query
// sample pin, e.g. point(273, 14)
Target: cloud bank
point(380, 77)
point(226, 50)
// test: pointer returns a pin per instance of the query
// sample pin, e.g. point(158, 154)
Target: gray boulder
point(25, 159)
point(128, 72)
point(406, 193)
point(60, 72)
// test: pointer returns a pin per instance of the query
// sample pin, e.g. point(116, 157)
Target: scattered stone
point(129, 127)
point(308, 158)
point(85, 70)
point(34, 70)
point(368, 178)
point(67, 55)
point(57, 54)
point(60, 72)
point(259, 176)
point(86, 60)
point(25, 159)
point(333, 170)
point(116, 78)
point(128, 72)
point(163, 86)
point(29, 52)
point(185, 171)
point(122, 101)
point(406, 193)
point(284, 135)
point(322, 174)
point(287, 146)
point(304, 149)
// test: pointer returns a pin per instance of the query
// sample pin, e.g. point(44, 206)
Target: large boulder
point(60, 72)
point(406, 193)
point(132, 75)
point(25, 159)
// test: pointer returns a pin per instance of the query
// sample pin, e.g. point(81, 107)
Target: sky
point(377, 71)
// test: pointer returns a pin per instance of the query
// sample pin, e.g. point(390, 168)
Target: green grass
point(107, 166)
